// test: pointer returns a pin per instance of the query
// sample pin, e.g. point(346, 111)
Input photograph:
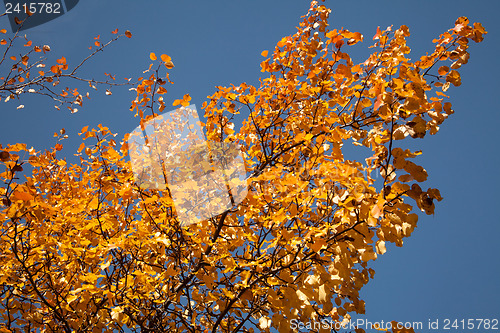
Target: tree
point(25, 76)
point(85, 248)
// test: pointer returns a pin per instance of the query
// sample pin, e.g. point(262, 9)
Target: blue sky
point(450, 267)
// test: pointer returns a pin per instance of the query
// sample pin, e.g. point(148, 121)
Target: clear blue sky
point(450, 267)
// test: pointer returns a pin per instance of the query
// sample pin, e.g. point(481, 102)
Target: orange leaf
point(18, 147)
point(61, 61)
point(454, 78)
point(168, 61)
point(58, 147)
point(114, 32)
point(128, 34)
point(3, 31)
point(25, 196)
point(282, 42)
point(54, 69)
point(443, 70)
point(165, 58)
point(441, 94)
point(185, 100)
point(378, 103)
point(378, 34)
point(152, 56)
point(264, 53)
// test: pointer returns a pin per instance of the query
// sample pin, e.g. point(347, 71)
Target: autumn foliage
point(84, 249)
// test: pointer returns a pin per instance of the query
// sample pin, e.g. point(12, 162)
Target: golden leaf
point(20, 195)
point(381, 247)
point(454, 78)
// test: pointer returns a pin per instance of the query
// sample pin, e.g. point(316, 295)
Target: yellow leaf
point(368, 255)
point(322, 296)
point(446, 86)
point(116, 312)
point(152, 56)
point(378, 209)
point(264, 323)
point(318, 245)
point(380, 247)
point(125, 192)
point(301, 295)
point(94, 203)
point(308, 137)
point(106, 264)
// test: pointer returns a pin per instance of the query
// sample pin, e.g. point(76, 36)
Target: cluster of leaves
point(84, 248)
point(28, 74)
